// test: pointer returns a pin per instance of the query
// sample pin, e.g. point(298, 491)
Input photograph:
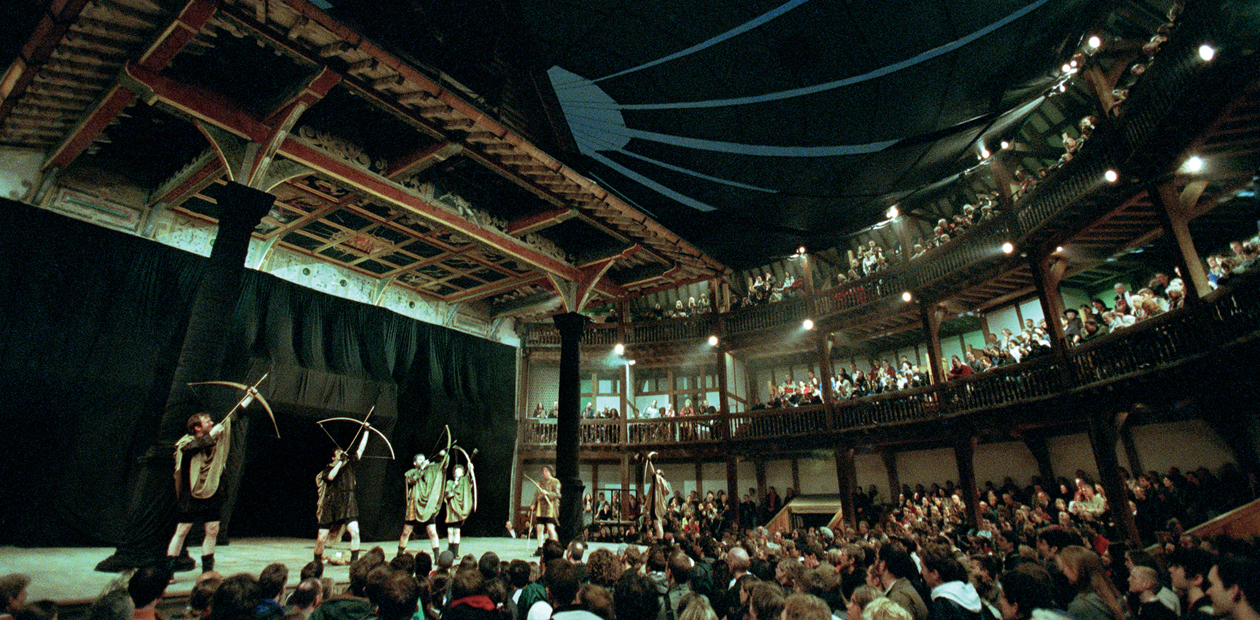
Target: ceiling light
point(619, 349)
point(1112, 176)
point(1095, 42)
point(630, 363)
point(892, 212)
point(1066, 68)
point(1059, 249)
point(984, 153)
point(801, 250)
point(1008, 247)
point(713, 340)
point(1005, 145)
point(1194, 164)
point(808, 324)
point(1207, 52)
point(907, 297)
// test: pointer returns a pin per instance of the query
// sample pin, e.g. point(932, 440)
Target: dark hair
point(306, 593)
point(1195, 561)
point(1058, 538)
point(147, 584)
point(467, 583)
point(635, 597)
point(359, 570)
point(194, 420)
point(603, 568)
point(1243, 572)
point(39, 610)
point(563, 581)
point(115, 605)
point(236, 598)
point(202, 595)
point(518, 572)
point(1029, 587)
point(404, 562)
point(680, 567)
point(312, 569)
point(577, 549)
point(552, 550)
point(766, 599)
point(939, 559)
point(656, 560)
point(897, 560)
point(424, 565)
point(489, 565)
point(396, 596)
point(271, 581)
point(11, 586)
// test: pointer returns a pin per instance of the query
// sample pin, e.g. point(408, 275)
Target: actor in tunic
point(199, 460)
point(659, 492)
point(424, 498)
point(337, 507)
point(546, 508)
point(460, 502)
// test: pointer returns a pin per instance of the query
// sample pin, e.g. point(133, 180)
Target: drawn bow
point(363, 426)
point(251, 394)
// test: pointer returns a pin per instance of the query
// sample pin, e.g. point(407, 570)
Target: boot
point(454, 547)
point(182, 563)
point(354, 556)
point(207, 563)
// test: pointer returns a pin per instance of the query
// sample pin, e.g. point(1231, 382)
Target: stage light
point(1066, 68)
point(619, 349)
point(713, 341)
point(1059, 249)
point(984, 152)
point(1112, 176)
point(1194, 164)
point(1005, 145)
point(800, 251)
point(1207, 52)
point(907, 297)
point(808, 324)
point(1095, 42)
point(892, 212)
point(630, 363)
point(1008, 247)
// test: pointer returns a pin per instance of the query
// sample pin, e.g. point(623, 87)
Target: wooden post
point(846, 475)
point(571, 326)
point(1102, 438)
point(1173, 210)
point(796, 475)
point(964, 456)
point(930, 315)
point(824, 369)
point(1040, 449)
point(894, 478)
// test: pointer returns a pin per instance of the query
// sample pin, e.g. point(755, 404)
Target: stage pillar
point(894, 478)
point(1040, 450)
point(1103, 434)
point(930, 316)
point(964, 456)
point(846, 473)
point(568, 424)
point(150, 513)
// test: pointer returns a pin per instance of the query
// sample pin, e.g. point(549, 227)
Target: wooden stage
point(67, 575)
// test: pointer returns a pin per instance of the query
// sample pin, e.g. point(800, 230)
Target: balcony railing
point(1228, 316)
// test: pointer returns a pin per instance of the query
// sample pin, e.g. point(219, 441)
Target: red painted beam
point(190, 184)
point(537, 221)
point(384, 190)
point(165, 47)
point(197, 103)
point(409, 161)
point(487, 290)
point(39, 47)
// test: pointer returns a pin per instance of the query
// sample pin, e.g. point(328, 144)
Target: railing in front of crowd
point(1226, 317)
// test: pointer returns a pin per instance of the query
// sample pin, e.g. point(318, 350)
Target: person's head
point(1024, 589)
point(1052, 540)
point(147, 585)
point(307, 595)
point(563, 580)
point(13, 591)
point(1143, 579)
point(422, 460)
point(635, 597)
point(737, 559)
point(765, 601)
point(1084, 569)
point(862, 596)
point(1233, 583)
point(202, 596)
point(940, 566)
point(359, 570)
point(679, 567)
point(895, 561)
point(546, 473)
point(552, 550)
point(576, 551)
point(1188, 567)
point(396, 594)
point(596, 599)
point(199, 424)
point(114, 605)
point(271, 581)
point(885, 609)
point(236, 598)
point(805, 607)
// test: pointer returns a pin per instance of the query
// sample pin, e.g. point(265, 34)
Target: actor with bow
point(461, 500)
point(425, 489)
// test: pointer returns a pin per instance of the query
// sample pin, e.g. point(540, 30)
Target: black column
point(846, 474)
point(150, 515)
point(1103, 435)
point(568, 438)
point(965, 458)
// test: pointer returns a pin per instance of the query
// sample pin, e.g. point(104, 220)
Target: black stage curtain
point(93, 322)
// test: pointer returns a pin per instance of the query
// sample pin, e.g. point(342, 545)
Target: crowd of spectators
point(1041, 552)
point(767, 289)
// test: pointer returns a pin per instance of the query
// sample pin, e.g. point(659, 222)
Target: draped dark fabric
point(92, 324)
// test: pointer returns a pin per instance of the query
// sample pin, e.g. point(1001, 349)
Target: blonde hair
point(885, 609)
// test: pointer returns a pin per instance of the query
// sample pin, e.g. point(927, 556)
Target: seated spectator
point(1143, 582)
point(1027, 593)
point(13, 593)
point(305, 597)
point(146, 588)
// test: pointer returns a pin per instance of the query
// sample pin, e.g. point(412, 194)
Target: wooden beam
point(422, 158)
point(539, 221)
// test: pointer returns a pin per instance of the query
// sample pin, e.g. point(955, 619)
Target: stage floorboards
point(67, 574)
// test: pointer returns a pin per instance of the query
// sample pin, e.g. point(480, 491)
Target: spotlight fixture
point(800, 251)
point(984, 152)
point(619, 349)
point(1207, 52)
point(1112, 176)
point(1066, 68)
point(1005, 145)
point(892, 212)
point(1194, 164)
point(1008, 247)
point(1059, 249)
point(808, 324)
point(713, 341)
point(1095, 42)
point(630, 363)
point(907, 297)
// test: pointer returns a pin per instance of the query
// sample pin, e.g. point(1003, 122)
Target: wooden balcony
point(1224, 324)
